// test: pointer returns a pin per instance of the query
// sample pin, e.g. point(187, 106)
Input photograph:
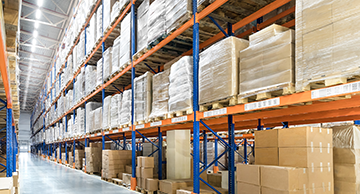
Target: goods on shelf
point(99, 72)
point(210, 154)
point(80, 85)
point(177, 12)
point(160, 90)
point(266, 147)
point(80, 120)
point(107, 63)
point(142, 98)
point(178, 154)
point(170, 186)
point(99, 22)
point(268, 65)
point(156, 21)
point(144, 169)
point(114, 110)
point(71, 159)
point(325, 52)
point(151, 184)
point(91, 34)
point(107, 13)
point(90, 82)
point(115, 55)
point(149, 148)
point(218, 70)
point(181, 85)
point(97, 119)
point(79, 155)
point(114, 162)
point(115, 10)
point(106, 118)
point(142, 25)
point(93, 159)
point(125, 41)
point(125, 112)
point(346, 158)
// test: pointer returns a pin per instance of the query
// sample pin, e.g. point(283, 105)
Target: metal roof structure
point(42, 25)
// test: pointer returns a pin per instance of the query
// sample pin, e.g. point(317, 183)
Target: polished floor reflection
point(45, 177)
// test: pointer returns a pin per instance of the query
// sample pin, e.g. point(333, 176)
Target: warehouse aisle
point(40, 176)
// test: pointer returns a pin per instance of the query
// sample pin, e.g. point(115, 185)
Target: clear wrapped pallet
point(267, 66)
point(99, 19)
point(98, 119)
point(99, 73)
point(181, 85)
point(119, 107)
point(177, 13)
point(90, 82)
point(107, 13)
point(115, 59)
point(107, 63)
point(115, 11)
point(326, 54)
point(218, 70)
point(125, 41)
point(142, 25)
point(157, 20)
point(114, 111)
point(90, 107)
point(142, 98)
point(106, 113)
point(80, 120)
point(125, 111)
point(160, 92)
point(91, 36)
point(80, 50)
point(74, 57)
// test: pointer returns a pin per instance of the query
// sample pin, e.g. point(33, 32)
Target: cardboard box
point(214, 179)
point(15, 176)
point(138, 181)
point(126, 178)
point(128, 169)
point(252, 173)
point(305, 137)
point(190, 191)
point(347, 172)
point(147, 172)
point(6, 185)
point(266, 139)
point(152, 184)
point(346, 155)
point(245, 188)
point(266, 156)
point(145, 162)
point(283, 178)
point(305, 157)
point(170, 186)
point(138, 172)
point(265, 190)
point(143, 183)
point(346, 187)
point(318, 177)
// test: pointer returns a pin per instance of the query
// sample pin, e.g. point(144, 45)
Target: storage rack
point(11, 142)
point(330, 104)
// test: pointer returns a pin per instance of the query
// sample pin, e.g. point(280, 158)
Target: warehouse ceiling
point(42, 27)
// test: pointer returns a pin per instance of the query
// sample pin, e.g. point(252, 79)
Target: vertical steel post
point(245, 151)
point(74, 154)
point(231, 156)
point(66, 154)
point(205, 148)
point(60, 152)
point(14, 149)
point(103, 142)
point(124, 141)
point(160, 154)
point(216, 165)
point(196, 124)
point(260, 126)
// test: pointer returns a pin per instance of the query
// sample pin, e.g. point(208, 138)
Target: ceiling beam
point(44, 56)
point(40, 36)
point(45, 10)
point(41, 22)
point(31, 45)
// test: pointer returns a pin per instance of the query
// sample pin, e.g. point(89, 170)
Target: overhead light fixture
point(40, 3)
point(38, 13)
point(36, 24)
point(35, 33)
point(33, 41)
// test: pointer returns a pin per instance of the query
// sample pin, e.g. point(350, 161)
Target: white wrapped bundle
point(114, 111)
point(142, 22)
point(107, 12)
point(99, 28)
point(142, 98)
point(90, 107)
point(81, 50)
point(70, 129)
point(125, 41)
point(119, 107)
point(91, 122)
point(107, 63)
point(80, 120)
point(115, 60)
point(106, 113)
point(177, 12)
point(90, 82)
point(157, 18)
point(99, 73)
point(160, 94)
point(98, 119)
point(125, 112)
point(115, 10)
point(122, 3)
point(74, 63)
point(92, 34)
point(181, 85)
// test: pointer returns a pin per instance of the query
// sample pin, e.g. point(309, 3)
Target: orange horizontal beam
point(4, 71)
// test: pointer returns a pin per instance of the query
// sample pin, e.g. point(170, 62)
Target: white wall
point(24, 131)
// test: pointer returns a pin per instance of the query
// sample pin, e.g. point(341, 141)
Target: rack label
point(156, 123)
point(126, 129)
point(107, 132)
point(92, 135)
point(98, 134)
point(179, 119)
point(116, 130)
point(215, 112)
point(262, 104)
point(336, 90)
point(139, 126)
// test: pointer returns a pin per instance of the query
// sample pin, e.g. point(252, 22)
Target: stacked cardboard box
point(250, 183)
point(93, 158)
point(16, 183)
point(178, 154)
point(63, 158)
point(266, 147)
point(170, 186)
point(79, 155)
point(114, 162)
point(144, 170)
point(142, 96)
point(71, 158)
point(6, 185)
point(149, 148)
point(346, 159)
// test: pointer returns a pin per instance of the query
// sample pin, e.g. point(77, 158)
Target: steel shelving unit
point(329, 104)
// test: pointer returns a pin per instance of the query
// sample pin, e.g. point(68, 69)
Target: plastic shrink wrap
point(218, 70)
point(142, 89)
point(156, 21)
point(98, 119)
point(99, 19)
point(325, 51)
point(346, 143)
point(107, 12)
point(114, 111)
point(91, 36)
point(115, 10)
point(90, 82)
point(99, 73)
point(106, 113)
point(74, 57)
point(268, 64)
point(119, 107)
point(177, 12)
point(142, 25)
point(115, 60)
point(80, 120)
point(125, 112)
point(181, 85)
point(125, 41)
point(160, 92)
point(90, 107)
point(80, 50)
point(107, 63)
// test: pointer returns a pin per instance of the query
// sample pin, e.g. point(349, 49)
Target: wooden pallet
point(106, 179)
point(150, 192)
point(329, 82)
point(229, 101)
point(97, 131)
point(93, 173)
point(140, 53)
point(266, 94)
point(158, 118)
point(140, 122)
point(117, 181)
point(180, 113)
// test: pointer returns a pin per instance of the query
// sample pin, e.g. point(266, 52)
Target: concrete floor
point(41, 176)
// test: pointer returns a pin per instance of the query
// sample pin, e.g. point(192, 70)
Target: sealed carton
point(245, 188)
point(266, 156)
point(266, 138)
point(305, 137)
point(152, 184)
point(170, 186)
point(283, 178)
point(305, 157)
point(252, 173)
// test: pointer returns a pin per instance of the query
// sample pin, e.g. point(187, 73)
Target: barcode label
point(126, 129)
point(116, 130)
point(92, 135)
point(262, 104)
point(98, 134)
point(107, 132)
point(179, 119)
point(156, 123)
point(215, 112)
point(139, 126)
point(336, 90)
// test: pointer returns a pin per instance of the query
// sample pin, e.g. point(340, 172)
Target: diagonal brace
point(221, 139)
point(147, 139)
point(217, 25)
point(216, 159)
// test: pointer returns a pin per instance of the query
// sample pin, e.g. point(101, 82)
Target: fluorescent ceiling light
point(36, 24)
point(33, 41)
point(38, 13)
point(40, 3)
point(33, 49)
point(35, 33)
